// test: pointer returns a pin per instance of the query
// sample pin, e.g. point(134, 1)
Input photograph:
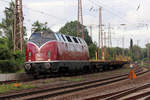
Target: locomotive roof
point(67, 37)
point(49, 35)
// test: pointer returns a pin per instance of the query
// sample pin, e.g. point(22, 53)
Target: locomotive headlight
point(29, 56)
point(49, 55)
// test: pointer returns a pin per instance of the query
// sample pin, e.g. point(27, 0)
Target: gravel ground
point(72, 79)
point(118, 86)
point(77, 78)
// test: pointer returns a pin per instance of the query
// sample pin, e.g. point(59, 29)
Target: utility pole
point(100, 39)
point(108, 35)
point(109, 32)
point(18, 26)
point(148, 49)
point(123, 46)
point(91, 31)
point(105, 47)
point(123, 51)
point(80, 20)
point(138, 52)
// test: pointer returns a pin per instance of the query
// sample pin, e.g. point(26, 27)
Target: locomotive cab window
point(35, 36)
point(39, 38)
point(43, 35)
point(48, 35)
point(68, 38)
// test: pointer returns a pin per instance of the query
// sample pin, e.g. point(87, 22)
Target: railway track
point(49, 92)
point(22, 77)
point(137, 93)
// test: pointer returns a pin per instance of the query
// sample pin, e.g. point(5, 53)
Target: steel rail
point(32, 95)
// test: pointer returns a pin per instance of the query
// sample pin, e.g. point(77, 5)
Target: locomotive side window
point(68, 38)
point(57, 37)
point(63, 37)
point(80, 41)
point(76, 41)
point(83, 41)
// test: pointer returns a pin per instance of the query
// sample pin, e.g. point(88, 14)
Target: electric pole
point(138, 52)
point(123, 53)
point(109, 35)
point(148, 49)
point(100, 37)
point(91, 31)
point(105, 47)
point(80, 20)
point(18, 26)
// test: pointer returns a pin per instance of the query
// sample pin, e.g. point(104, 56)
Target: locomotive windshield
point(35, 36)
point(42, 35)
point(40, 38)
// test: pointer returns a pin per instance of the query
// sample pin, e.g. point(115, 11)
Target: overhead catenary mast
point(18, 26)
point(91, 31)
point(105, 46)
point(100, 37)
point(80, 30)
point(109, 35)
point(123, 51)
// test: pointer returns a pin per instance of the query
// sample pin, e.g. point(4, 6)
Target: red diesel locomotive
point(49, 52)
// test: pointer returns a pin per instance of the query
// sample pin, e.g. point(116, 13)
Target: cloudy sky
point(134, 14)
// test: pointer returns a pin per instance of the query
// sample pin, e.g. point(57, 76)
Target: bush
point(7, 66)
point(13, 64)
point(92, 49)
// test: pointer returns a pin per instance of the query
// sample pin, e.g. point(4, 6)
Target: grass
point(47, 81)
point(21, 71)
point(4, 88)
point(72, 79)
point(76, 79)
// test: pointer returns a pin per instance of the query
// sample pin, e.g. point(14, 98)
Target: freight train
point(49, 52)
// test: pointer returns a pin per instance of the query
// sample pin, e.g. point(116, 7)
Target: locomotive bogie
point(57, 67)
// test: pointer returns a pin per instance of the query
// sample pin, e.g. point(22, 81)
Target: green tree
point(4, 50)
point(7, 24)
point(9, 61)
point(0, 33)
point(148, 50)
point(92, 49)
point(38, 26)
point(70, 28)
